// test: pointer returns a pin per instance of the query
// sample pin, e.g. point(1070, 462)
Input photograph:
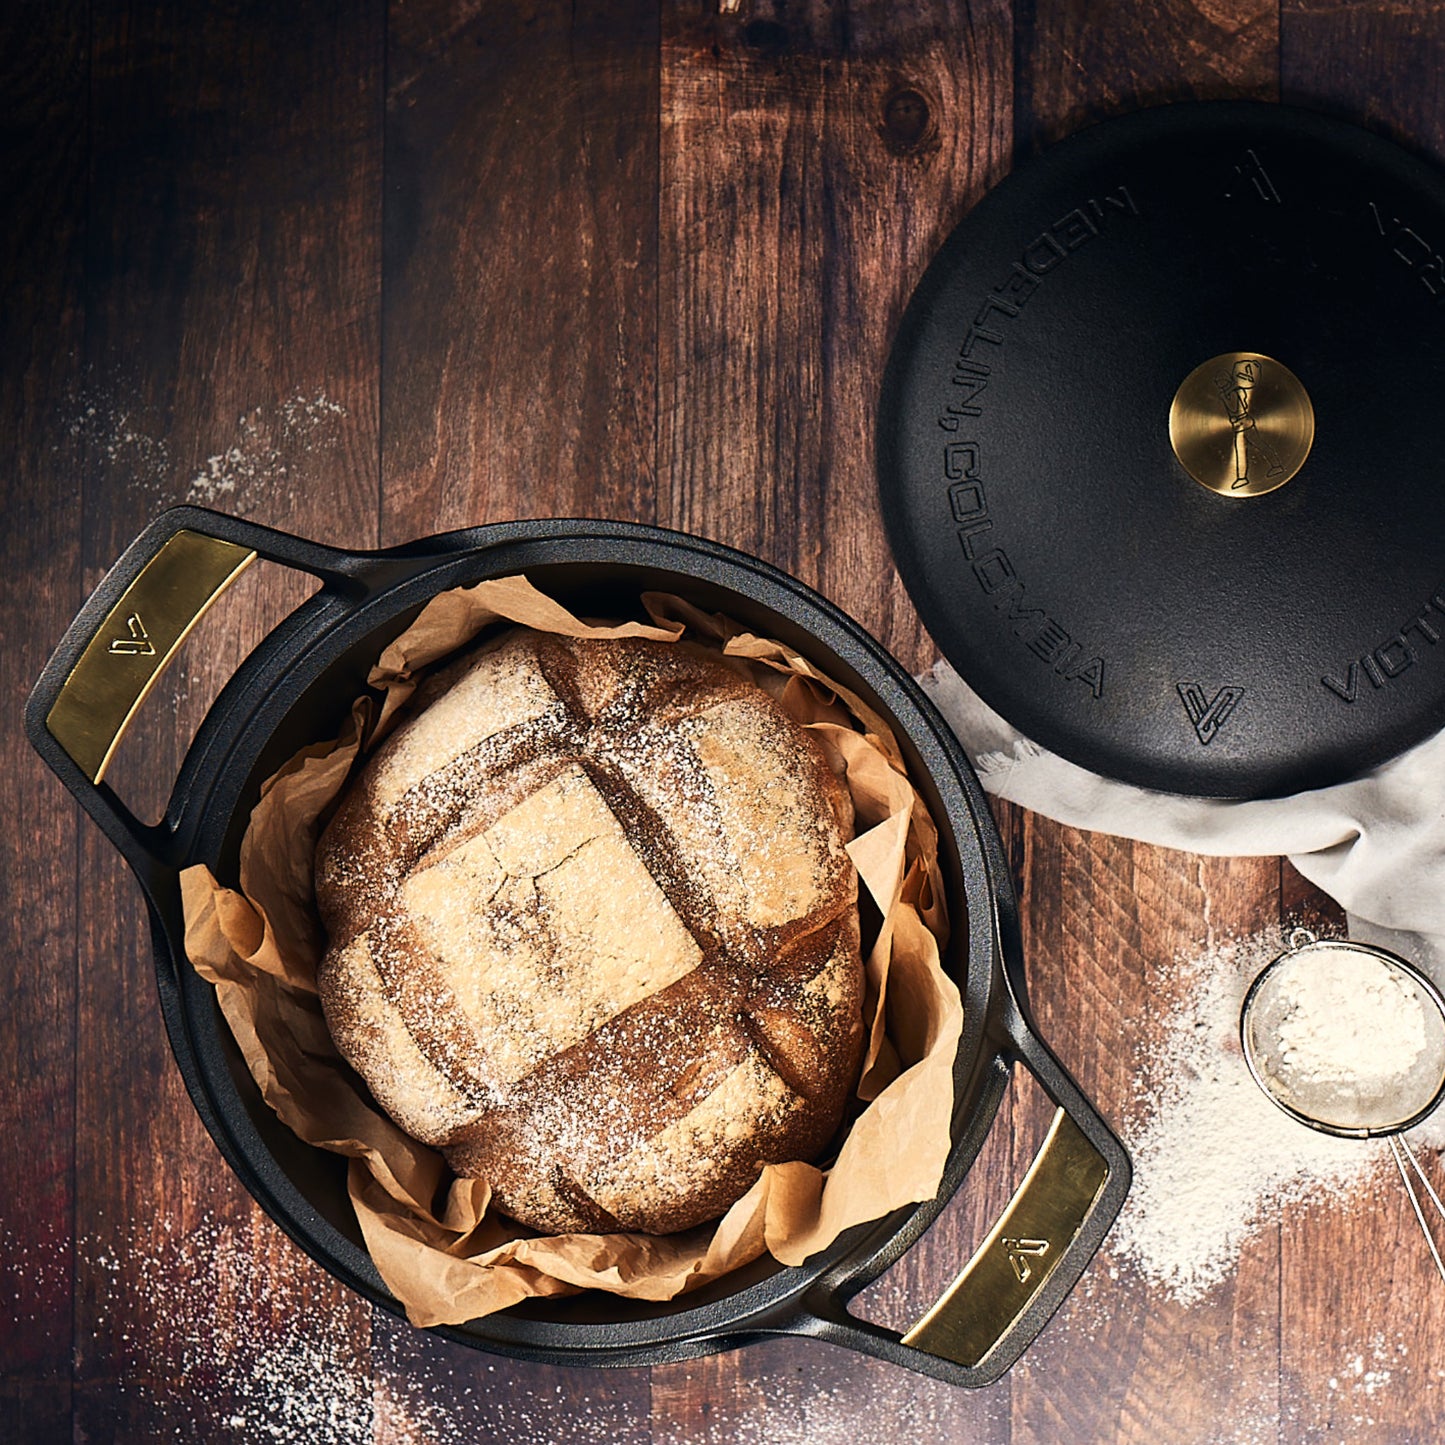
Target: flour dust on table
point(213, 1333)
point(123, 436)
point(268, 449)
point(1214, 1159)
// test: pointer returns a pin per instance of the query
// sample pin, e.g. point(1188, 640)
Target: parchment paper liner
point(430, 1235)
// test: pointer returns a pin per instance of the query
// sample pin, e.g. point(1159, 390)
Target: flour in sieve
point(1349, 1025)
point(1214, 1159)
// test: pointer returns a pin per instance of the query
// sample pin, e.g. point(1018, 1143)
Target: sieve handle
point(1028, 1262)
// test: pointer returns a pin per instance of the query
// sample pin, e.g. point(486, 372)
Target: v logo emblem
point(1019, 1250)
point(1208, 714)
point(138, 644)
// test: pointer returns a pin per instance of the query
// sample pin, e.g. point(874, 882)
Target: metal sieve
point(1349, 1039)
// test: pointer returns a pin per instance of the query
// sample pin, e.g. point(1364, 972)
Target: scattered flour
point(131, 444)
point(1215, 1162)
point(268, 452)
point(214, 1334)
point(862, 1403)
point(1368, 1373)
point(269, 442)
point(1214, 1159)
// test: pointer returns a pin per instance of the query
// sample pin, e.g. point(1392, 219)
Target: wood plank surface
point(1079, 63)
point(813, 159)
point(43, 167)
point(519, 335)
point(230, 357)
point(370, 272)
point(518, 380)
point(1382, 67)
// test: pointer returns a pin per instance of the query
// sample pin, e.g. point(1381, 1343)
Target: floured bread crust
point(593, 931)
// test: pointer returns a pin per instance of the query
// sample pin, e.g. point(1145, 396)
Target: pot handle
point(125, 636)
point(1028, 1262)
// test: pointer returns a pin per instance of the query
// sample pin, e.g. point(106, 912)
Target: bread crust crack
point(611, 958)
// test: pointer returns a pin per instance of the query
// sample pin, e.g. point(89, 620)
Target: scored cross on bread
point(593, 931)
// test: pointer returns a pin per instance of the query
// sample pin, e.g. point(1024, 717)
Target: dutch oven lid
point(1162, 449)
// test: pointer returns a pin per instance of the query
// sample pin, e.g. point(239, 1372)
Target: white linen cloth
point(1375, 844)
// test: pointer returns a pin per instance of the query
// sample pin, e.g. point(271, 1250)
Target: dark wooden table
point(369, 272)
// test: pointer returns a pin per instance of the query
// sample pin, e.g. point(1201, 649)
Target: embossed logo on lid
point(1208, 714)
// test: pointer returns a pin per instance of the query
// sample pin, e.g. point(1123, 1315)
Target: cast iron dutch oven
point(295, 688)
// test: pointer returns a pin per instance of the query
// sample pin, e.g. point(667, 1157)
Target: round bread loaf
point(593, 932)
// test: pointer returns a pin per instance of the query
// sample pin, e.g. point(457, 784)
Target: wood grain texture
point(1078, 63)
point(369, 272)
point(519, 329)
point(813, 159)
point(42, 193)
point(1380, 66)
point(231, 351)
point(431, 1390)
point(1104, 967)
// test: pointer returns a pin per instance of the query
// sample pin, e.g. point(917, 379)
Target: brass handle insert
point(132, 647)
point(1023, 1249)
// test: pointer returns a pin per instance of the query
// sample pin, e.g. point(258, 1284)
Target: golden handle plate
point(1022, 1250)
point(132, 647)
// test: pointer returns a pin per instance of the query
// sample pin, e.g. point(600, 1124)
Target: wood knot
point(908, 127)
